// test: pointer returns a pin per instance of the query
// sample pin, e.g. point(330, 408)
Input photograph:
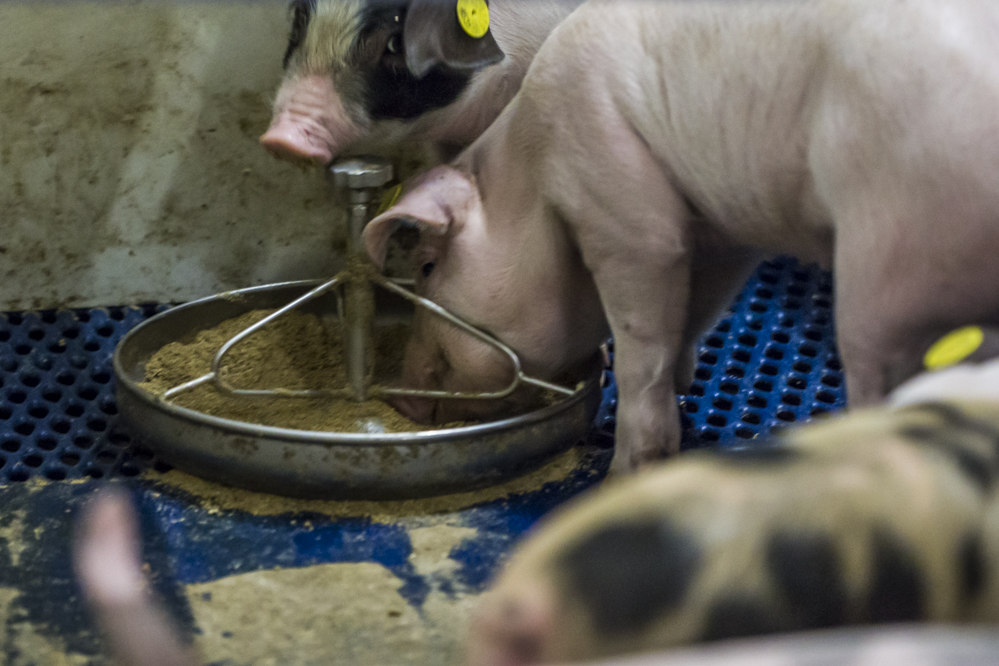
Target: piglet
point(657, 150)
point(875, 517)
point(371, 73)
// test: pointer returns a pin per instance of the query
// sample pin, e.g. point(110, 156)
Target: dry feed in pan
point(297, 351)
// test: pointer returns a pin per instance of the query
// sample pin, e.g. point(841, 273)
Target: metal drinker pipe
point(363, 178)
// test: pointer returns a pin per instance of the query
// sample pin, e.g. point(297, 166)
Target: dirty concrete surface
point(258, 579)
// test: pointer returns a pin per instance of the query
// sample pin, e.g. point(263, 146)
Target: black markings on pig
point(302, 11)
point(398, 95)
point(809, 577)
point(972, 563)
point(393, 92)
point(897, 590)
point(630, 574)
point(736, 616)
point(951, 437)
point(973, 465)
point(955, 418)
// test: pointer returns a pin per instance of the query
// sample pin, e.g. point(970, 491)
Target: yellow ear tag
point(389, 197)
point(473, 15)
point(953, 348)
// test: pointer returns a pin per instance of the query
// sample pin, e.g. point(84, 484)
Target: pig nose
point(509, 633)
point(287, 141)
point(418, 410)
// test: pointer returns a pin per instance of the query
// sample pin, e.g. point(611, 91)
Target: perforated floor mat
point(58, 418)
point(769, 362)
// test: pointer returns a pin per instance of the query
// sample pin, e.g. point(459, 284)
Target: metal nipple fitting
point(363, 178)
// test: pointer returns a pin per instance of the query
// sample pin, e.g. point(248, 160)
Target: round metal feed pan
point(330, 465)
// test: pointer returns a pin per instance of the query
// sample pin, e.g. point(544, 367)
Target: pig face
point(354, 64)
point(520, 283)
point(446, 209)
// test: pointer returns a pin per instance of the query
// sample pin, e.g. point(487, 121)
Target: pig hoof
point(625, 465)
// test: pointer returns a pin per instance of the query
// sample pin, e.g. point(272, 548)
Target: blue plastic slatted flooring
point(58, 417)
point(769, 362)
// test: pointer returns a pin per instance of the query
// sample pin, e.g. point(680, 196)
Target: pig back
point(720, 95)
point(875, 518)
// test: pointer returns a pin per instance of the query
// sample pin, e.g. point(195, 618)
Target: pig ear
point(433, 35)
point(436, 200)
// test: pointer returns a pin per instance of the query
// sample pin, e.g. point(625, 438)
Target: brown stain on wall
point(94, 90)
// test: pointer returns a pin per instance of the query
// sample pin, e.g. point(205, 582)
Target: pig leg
point(647, 337)
point(881, 328)
point(913, 191)
point(910, 264)
point(716, 278)
point(633, 234)
point(642, 272)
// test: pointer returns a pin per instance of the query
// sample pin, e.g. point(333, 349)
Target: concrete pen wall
point(129, 165)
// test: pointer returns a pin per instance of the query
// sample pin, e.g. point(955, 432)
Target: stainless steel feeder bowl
point(330, 465)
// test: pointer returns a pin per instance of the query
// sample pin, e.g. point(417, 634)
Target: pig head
point(502, 265)
point(369, 73)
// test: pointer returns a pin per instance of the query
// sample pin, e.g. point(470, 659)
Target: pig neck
point(547, 307)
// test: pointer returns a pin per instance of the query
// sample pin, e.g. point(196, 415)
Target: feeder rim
point(325, 437)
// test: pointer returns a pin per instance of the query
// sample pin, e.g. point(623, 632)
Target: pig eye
point(394, 45)
point(427, 268)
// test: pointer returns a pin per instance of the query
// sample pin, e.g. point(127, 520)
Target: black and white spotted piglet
point(877, 517)
point(373, 73)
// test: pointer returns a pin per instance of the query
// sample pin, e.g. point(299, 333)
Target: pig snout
point(310, 122)
point(422, 367)
point(439, 358)
point(417, 410)
point(512, 629)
